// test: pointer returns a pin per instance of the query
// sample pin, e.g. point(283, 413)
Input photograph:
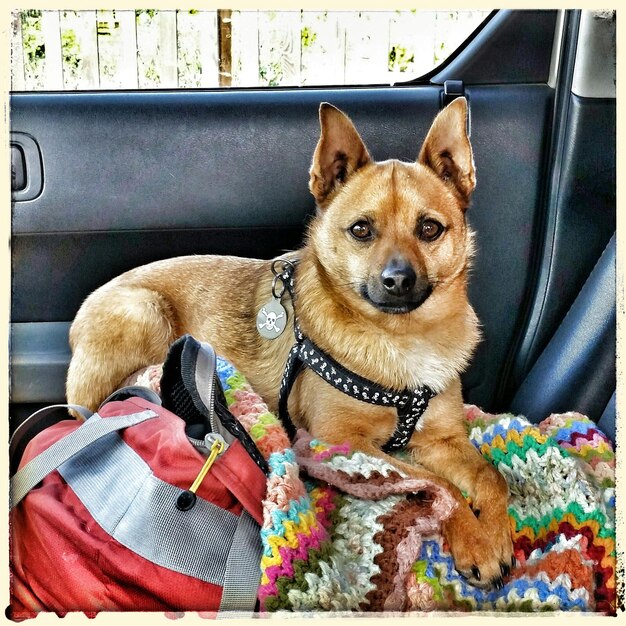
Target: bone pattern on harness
point(410, 404)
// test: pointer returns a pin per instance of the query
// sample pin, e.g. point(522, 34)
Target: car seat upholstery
point(576, 370)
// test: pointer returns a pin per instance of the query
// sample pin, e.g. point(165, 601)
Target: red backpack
point(126, 512)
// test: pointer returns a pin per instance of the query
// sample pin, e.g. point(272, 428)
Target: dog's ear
point(447, 149)
point(340, 152)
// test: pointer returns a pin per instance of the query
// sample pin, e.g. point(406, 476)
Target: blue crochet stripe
point(279, 460)
point(441, 566)
point(579, 427)
point(277, 529)
point(542, 591)
point(438, 561)
point(224, 371)
point(292, 514)
point(492, 430)
point(526, 430)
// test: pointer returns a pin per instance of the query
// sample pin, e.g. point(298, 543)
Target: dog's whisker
point(354, 285)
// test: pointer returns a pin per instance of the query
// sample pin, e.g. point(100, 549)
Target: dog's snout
point(398, 277)
point(397, 288)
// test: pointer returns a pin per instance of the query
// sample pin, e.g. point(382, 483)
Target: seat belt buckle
point(453, 89)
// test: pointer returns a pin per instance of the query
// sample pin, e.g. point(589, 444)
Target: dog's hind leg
point(117, 331)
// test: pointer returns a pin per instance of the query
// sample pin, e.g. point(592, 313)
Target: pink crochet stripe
point(317, 534)
point(420, 595)
point(247, 403)
point(247, 407)
point(274, 439)
point(327, 452)
point(603, 468)
point(593, 438)
point(473, 413)
point(407, 553)
point(306, 541)
point(252, 400)
point(324, 505)
point(283, 490)
point(289, 556)
point(266, 591)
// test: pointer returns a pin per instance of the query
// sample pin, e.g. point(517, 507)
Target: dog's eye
point(361, 230)
point(429, 230)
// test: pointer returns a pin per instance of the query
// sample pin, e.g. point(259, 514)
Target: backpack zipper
point(210, 369)
point(216, 446)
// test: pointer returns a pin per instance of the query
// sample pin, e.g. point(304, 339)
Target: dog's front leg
point(475, 555)
point(480, 542)
point(440, 452)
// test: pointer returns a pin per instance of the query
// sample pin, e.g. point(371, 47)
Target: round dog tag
point(271, 319)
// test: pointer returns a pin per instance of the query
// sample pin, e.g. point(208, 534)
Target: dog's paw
point(482, 549)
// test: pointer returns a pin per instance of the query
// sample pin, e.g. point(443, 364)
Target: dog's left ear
point(447, 149)
point(340, 152)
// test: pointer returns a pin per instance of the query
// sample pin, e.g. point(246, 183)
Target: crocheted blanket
point(346, 532)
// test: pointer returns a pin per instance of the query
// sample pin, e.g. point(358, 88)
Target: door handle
point(18, 169)
point(26, 167)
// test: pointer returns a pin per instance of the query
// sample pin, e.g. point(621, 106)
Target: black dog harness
point(409, 403)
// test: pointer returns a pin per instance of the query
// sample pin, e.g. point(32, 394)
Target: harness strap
point(292, 369)
point(409, 403)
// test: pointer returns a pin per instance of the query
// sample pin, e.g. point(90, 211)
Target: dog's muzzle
point(398, 289)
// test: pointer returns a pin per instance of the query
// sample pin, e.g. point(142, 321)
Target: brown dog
point(380, 286)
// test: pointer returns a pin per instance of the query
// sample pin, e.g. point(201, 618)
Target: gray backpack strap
point(36, 423)
point(61, 451)
point(243, 570)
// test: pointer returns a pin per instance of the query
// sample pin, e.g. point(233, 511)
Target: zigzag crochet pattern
point(347, 532)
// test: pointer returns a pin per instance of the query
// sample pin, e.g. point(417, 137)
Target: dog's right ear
point(340, 152)
point(448, 152)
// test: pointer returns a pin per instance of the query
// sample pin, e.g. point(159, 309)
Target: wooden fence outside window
point(150, 49)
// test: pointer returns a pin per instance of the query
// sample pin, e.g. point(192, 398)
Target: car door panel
point(251, 181)
point(132, 177)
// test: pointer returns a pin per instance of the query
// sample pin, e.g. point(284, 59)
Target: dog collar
point(410, 404)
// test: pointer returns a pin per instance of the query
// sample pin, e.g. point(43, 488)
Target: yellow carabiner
point(217, 448)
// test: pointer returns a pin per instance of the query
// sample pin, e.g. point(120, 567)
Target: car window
point(169, 49)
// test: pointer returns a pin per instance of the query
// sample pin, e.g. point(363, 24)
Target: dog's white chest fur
point(422, 364)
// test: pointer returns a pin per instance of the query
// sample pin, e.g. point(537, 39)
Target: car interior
point(106, 181)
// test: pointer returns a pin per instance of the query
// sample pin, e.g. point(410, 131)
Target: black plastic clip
point(453, 89)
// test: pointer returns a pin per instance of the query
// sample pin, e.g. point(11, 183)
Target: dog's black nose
point(398, 277)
